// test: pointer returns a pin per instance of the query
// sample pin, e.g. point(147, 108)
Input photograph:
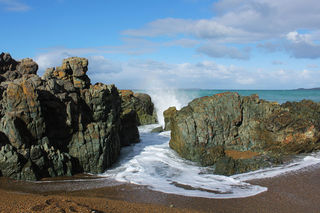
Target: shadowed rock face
point(137, 109)
point(239, 134)
point(59, 124)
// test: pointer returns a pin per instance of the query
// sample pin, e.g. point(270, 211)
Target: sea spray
point(164, 96)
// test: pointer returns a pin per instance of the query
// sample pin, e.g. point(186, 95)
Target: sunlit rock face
point(239, 134)
point(58, 124)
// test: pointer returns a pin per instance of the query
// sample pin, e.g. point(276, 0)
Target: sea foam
point(153, 164)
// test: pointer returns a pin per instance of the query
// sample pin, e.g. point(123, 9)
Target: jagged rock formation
point(239, 134)
point(59, 124)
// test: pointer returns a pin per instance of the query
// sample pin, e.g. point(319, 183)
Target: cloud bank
point(240, 22)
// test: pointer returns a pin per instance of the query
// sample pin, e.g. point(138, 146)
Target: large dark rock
point(59, 124)
point(129, 132)
point(239, 134)
point(137, 109)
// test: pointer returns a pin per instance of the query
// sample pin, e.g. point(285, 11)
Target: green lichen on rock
point(59, 124)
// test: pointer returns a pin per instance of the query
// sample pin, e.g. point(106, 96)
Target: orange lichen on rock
point(126, 92)
point(235, 154)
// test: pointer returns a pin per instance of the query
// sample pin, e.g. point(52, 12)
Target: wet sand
point(293, 192)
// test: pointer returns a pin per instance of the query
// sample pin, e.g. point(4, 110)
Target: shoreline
point(292, 192)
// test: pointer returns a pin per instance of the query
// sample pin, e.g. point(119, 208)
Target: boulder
point(27, 66)
point(7, 63)
point(239, 134)
point(59, 124)
point(142, 104)
point(129, 132)
point(157, 129)
point(168, 116)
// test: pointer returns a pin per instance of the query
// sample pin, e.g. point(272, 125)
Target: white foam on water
point(153, 164)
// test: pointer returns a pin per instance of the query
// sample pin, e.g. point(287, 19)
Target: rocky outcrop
point(239, 134)
point(59, 124)
point(141, 103)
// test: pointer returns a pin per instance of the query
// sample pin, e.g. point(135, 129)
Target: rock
point(27, 66)
point(129, 132)
point(7, 63)
point(96, 144)
point(168, 116)
point(157, 129)
point(142, 104)
point(239, 134)
point(59, 124)
point(73, 70)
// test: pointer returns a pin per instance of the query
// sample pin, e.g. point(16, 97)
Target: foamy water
point(153, 164)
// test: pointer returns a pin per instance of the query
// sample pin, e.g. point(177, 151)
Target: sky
point(141, 44)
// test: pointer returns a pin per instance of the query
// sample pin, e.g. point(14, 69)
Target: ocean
point(153, 164)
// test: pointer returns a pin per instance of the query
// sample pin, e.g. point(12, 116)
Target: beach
point(291, 192)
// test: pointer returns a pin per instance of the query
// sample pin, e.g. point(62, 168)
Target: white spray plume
point(164, 97)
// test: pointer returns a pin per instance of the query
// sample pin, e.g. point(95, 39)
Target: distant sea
point(279, 96)
point(164, 98)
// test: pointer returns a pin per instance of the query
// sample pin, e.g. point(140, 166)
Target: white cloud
point(100, 64)
point(205, 74)
point(97, 63)
point(259, 22)
point(14, 5)
point(50, 59)
point(218, 51)
point(205, 29)
point(301, 46)
point(135, 74)
point(295, 37)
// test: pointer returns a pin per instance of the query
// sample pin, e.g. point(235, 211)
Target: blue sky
point(222, 44)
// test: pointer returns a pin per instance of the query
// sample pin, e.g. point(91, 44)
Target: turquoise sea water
point(279, 96)
point(165, 98)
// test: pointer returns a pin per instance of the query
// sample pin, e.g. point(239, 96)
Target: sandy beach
point(292, 192)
